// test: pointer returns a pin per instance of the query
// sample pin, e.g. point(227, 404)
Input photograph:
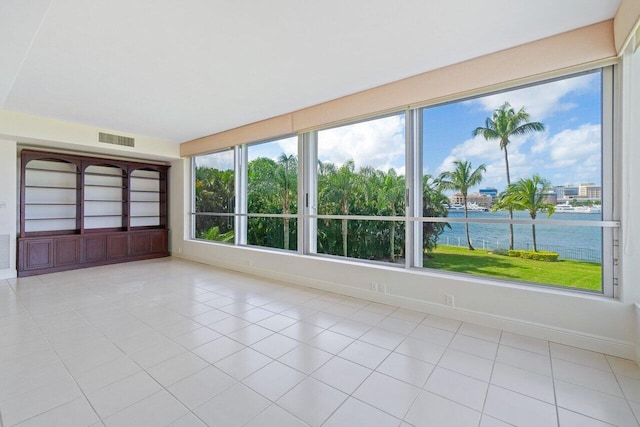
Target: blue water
point(580, 243)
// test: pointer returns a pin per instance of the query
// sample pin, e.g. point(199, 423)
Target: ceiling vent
point(109, 138)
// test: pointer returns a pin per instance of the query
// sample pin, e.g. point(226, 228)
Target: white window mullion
point(240, 220)
point(308, 193)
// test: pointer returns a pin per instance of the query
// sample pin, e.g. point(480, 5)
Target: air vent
point(109, 138)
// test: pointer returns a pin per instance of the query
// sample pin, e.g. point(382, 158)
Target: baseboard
point(9, 273)
point(627, 350)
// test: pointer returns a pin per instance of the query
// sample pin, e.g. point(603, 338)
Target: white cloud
point(377, 143)
point(540, 101)
point(222, 160)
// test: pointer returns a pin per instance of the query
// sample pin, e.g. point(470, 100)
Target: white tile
point(75, 413)
point(457, 387)
point(188, 420)
point(524, 360)
point(312, 401)
point(210, 317)
point(305, 358)
point(274, 380)
point(342, 374)
point(107, 373)
point(630, 387)
point(625, 367)
point(423, 350)
point(19, 382)
point(384, 309)
point(367, 317)
point(157, 353)
point(330, 342)
point(519, 410)
point(158, 409)
point(356, 413)
point(477, 346)
point(383, 338)
point(234, 406)
point(196, 389)
point(523, 342)
point(572, 419)
point(274, 416)
point(350, 328)
point(488, 421)
point(301, 331)
point(467, 364)
point(409, 315)
point(243, 363)
point(481, 332)
point(580, 356)
point(277, 322)
point(434, 335)
point(229, 325)
point(196, 338)
point(250, 334)
point(431, 410)
point(173, 370)
point(585, 376)
point(275, 345)
point(255, 315)
point(388, 394)
point(525, 382)
point(442, 323)
point(398, 326)
point(218, 349)
point(407, 369)
point(117, 396)
point(601, 406)
point(365, 354)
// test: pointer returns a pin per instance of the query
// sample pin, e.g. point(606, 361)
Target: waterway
point(571, 242)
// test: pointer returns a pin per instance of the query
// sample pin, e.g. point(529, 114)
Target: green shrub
point(504, 252)
point(538, 256)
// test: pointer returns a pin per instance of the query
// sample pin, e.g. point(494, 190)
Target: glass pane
point(215, 183)
point(569, 256)
point(361, 172)
point(534, 152)
point(370, 240)
point(280, 233)
point(219, 229)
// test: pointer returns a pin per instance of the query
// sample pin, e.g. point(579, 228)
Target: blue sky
point(568, 151)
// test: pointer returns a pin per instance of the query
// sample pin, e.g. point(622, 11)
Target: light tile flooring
point(169, 342)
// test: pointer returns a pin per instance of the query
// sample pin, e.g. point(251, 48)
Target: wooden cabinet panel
point(158, 241)
point(140, 244)
point(67, 251)
point(38, 253)
point(95, 248)
point(117, 246)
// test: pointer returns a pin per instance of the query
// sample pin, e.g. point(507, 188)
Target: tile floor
point(169, 342)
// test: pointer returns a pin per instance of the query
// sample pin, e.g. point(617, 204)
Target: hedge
point(539, 256)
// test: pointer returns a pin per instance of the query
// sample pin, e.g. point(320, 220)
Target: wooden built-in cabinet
point(78, 211)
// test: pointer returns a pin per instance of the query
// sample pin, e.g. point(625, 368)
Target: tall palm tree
point(528, 194)
point(504, 124)
point(391, 200)
point(461, 179)
point(287, 183)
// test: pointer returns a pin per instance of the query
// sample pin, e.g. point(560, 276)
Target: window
point(494, 163)
point(515, 185)
point(214, 188)
point(272, 191)
point(361, 175)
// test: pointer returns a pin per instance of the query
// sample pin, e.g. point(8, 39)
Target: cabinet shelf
point(104, 200)
point(105, 186)
point(52, 171)
point(51, 219)
point(104, 174)
point(51, 204)
point(51, 187)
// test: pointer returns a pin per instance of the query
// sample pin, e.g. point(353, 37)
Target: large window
point(214, 188)
point(272, 190)
point(497, 162)
point(361, 174)
point(515, 185)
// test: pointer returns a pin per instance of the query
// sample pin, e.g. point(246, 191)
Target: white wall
point(8, 197)
point(597, 323)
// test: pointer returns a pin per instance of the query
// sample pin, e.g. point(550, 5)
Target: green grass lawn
point(571, 274)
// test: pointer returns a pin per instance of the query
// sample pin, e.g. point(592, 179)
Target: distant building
point(491, 192)
point(481, 200)
point(590, 191)
point(567, 192)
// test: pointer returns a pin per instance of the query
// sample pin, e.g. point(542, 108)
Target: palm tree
point(391, 199)
point(505, 123)
point(461, 179)
point(528, 194)
point(287, 184)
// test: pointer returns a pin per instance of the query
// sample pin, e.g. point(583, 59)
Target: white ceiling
point(178, 70)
